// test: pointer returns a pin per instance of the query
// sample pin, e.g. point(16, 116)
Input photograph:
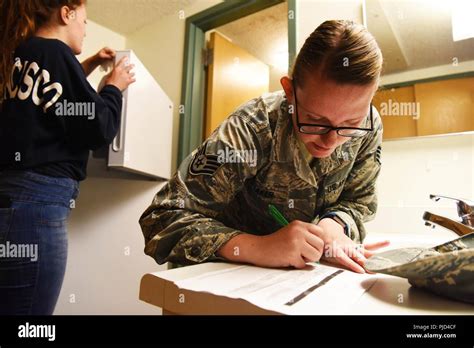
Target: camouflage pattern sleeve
point(183, 223)
point(358, 201)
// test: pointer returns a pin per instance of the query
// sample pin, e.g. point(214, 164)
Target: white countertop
point(388, 296)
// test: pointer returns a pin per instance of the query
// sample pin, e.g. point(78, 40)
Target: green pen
point(279, 218)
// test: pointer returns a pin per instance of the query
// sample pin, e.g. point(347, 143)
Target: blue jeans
point(33, 240)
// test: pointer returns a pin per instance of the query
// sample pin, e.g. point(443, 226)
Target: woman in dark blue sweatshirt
point(50, 118)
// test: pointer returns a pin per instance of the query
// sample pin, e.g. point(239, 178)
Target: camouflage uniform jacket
point(253, 159)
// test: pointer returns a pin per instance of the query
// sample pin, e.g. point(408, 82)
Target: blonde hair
point(19, 20)
point(342, 51)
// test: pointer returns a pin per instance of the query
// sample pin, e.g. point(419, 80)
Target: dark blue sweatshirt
point(52, 117)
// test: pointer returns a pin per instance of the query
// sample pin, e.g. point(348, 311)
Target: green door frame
point(192, 93)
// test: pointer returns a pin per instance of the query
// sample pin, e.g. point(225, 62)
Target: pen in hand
point(277, 216)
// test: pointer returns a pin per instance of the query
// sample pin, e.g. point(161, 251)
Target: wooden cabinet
point(446, 106)
point(428, 108)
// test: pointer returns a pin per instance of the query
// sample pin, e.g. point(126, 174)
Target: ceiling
point(263, 34)
point(416, 34)
point(127, 16)
point(412, 34)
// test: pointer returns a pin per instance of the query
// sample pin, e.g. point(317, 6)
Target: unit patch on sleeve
point(204, 164)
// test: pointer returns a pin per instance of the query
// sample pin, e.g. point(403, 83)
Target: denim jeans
point(33, 240)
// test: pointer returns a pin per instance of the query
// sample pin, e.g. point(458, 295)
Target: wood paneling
point(428, 108)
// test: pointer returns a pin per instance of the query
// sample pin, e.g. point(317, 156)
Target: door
point(234, 77)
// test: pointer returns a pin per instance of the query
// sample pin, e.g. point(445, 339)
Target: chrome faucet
point(465, 212)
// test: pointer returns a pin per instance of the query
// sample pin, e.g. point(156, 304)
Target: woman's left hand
point(104, 55)
point(341, 250)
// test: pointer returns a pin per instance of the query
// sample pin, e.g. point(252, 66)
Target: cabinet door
point(392, 104)
point(446, 106)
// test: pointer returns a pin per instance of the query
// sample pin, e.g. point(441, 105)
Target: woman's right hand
point(122, 75)
point(291, 246)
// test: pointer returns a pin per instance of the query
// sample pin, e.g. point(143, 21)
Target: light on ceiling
point(461, 19)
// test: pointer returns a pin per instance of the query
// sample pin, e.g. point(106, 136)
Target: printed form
point(317, 289)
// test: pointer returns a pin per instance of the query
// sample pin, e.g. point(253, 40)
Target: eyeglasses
point(320, 129)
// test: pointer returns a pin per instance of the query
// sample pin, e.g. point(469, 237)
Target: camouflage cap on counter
point(447, 269)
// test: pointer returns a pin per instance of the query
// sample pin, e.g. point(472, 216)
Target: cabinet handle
point(118, 140)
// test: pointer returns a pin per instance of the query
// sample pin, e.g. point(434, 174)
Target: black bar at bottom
point(212, 330)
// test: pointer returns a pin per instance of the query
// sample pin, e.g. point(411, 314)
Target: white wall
point(106, 259)
point(412, 169)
